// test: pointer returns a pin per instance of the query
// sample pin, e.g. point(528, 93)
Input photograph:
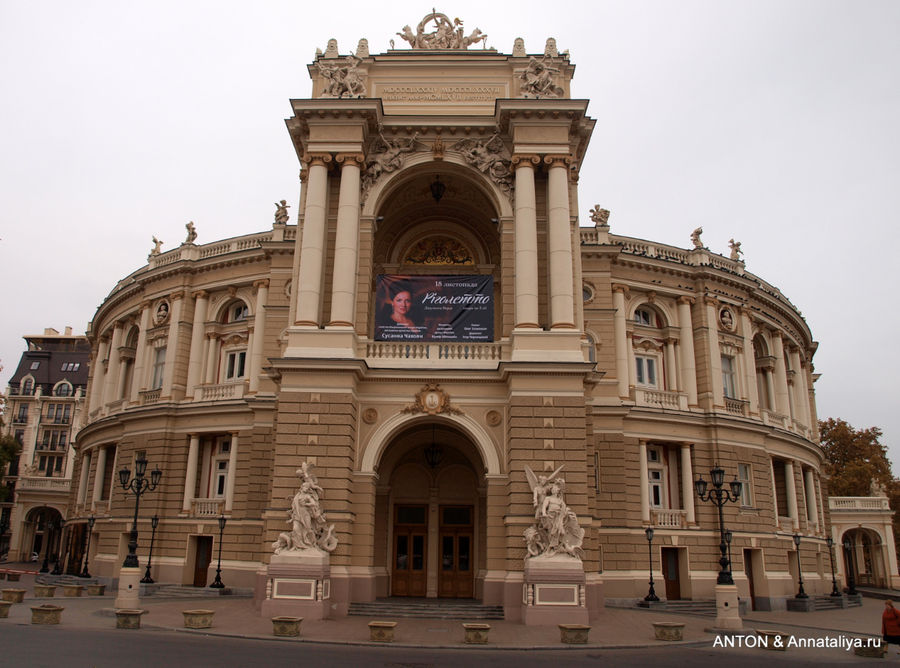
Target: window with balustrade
point(729, 384)
point(746, 479)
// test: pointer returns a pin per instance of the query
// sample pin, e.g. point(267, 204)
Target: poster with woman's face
point(434, 308)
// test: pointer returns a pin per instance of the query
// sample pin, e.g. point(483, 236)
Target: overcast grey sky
point(773, 122)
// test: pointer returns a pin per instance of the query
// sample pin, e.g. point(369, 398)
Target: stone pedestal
point(298, 584)
point(554, 591)
point(727, 610)
point(129, 588)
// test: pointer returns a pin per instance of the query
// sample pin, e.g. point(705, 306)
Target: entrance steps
point(173, 591)
point(426, 608)
point(697, 607)
point(834, 603)
point(62, 580)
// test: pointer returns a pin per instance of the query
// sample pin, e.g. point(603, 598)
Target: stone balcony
point(664, 518)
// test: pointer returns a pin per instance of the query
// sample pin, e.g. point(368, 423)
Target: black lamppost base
point(147, 579)
point(217, 583)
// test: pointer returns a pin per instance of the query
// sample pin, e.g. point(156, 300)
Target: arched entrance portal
point(866, 557)
point(430, 522)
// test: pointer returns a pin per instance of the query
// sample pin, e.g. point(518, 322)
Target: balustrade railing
point(668, 519)
point(221, 391)
point(410, 353)
point(858, 503)
point(207, 507)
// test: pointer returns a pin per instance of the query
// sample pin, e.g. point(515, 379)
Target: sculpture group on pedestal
point(309, 529)
point(555, 530)
point(446, 35)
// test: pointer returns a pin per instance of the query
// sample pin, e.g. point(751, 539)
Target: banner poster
point(434, 308)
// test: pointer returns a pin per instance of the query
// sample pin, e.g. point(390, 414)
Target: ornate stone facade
point(635, 364)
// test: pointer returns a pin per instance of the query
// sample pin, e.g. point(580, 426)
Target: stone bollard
point(44, 591)
point(382, 631)
point(668, 630)
point(476, 634)
point(12, 577)
point(14, 595)
point(4, 609)
point(96, 589)
point(72, 591)
point(772, 639)
point(127, 618)
point(574, 634)
point(286, 627)
point(198, 619)
point(46, 614)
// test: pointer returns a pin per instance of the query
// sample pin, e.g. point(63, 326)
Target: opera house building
point(440, 373)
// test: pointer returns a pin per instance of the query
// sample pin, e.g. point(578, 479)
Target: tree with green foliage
point(855, 459)
point(9, 450)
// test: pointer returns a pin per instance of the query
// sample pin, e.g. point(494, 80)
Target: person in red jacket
point(890, 623)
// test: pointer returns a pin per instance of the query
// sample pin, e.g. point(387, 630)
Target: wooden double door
point(410, 562)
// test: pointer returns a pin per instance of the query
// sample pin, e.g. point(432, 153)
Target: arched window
point(63, 389)
point(237, 311)
point(28, 385)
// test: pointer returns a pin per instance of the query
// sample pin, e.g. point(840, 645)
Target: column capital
point(710, 301)
point(687, 301)
point(314, 159)
point(303, 175)
point(261, 283)
point(199, 294)
point(618, 287)
point(178, 294)
point(146, 304)
point(212, 336)
point(557, 160)
point(350, 159)
point(525, 159)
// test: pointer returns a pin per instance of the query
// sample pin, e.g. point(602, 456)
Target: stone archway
point(866, 557)
point(41, 537)
point(430, 530)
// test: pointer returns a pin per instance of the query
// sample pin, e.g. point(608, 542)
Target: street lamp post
point(154, 522)
point(800, 592)
point(651, 595)
point(87, 546)
point(851, 581)
point(834, 587)
point(49, 526)
point(217, 583)
point(720, 495)
point(137, 485)
point(728, 538)
point(60, 553)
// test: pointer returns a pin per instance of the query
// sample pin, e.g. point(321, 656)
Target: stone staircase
point(173, 591)
point(834, 603)
point(62, 580)
point(421, 608)
point(697, 607)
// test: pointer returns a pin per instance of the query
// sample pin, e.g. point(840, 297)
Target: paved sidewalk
point(615, 627)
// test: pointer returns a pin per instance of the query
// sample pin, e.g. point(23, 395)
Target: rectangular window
point(645, 371)
point(728, 376)
point(234, 365)
point(35, 365)
point(743, 474)
point(159, 367)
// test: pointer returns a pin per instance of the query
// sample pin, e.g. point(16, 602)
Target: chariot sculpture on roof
point(447, 34)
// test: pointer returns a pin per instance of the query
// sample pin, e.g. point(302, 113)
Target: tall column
point(671, 375)
point(801, 396)
point(346, 243)
point(138, 378)
point(688, 371)
point(83, 480)
point(259, 334)
point(111, 378)
point(790, 489)
point(715, 356)
point(562, 300)
point(312, 252)
point(212, 356)
point(687, 485)
point(98, 382)
point(526, 261)
point(749, 362)
point(769, 377)
point(195, 361)
point(621, 338)
point(809, 484)
point(782, 405)
point(177, 301)
point(644, 484)
point(190, 476)
point(98, 475)
point(232, 472)
point(804, 395)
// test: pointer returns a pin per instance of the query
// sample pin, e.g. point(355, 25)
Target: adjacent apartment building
point(45, 398)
